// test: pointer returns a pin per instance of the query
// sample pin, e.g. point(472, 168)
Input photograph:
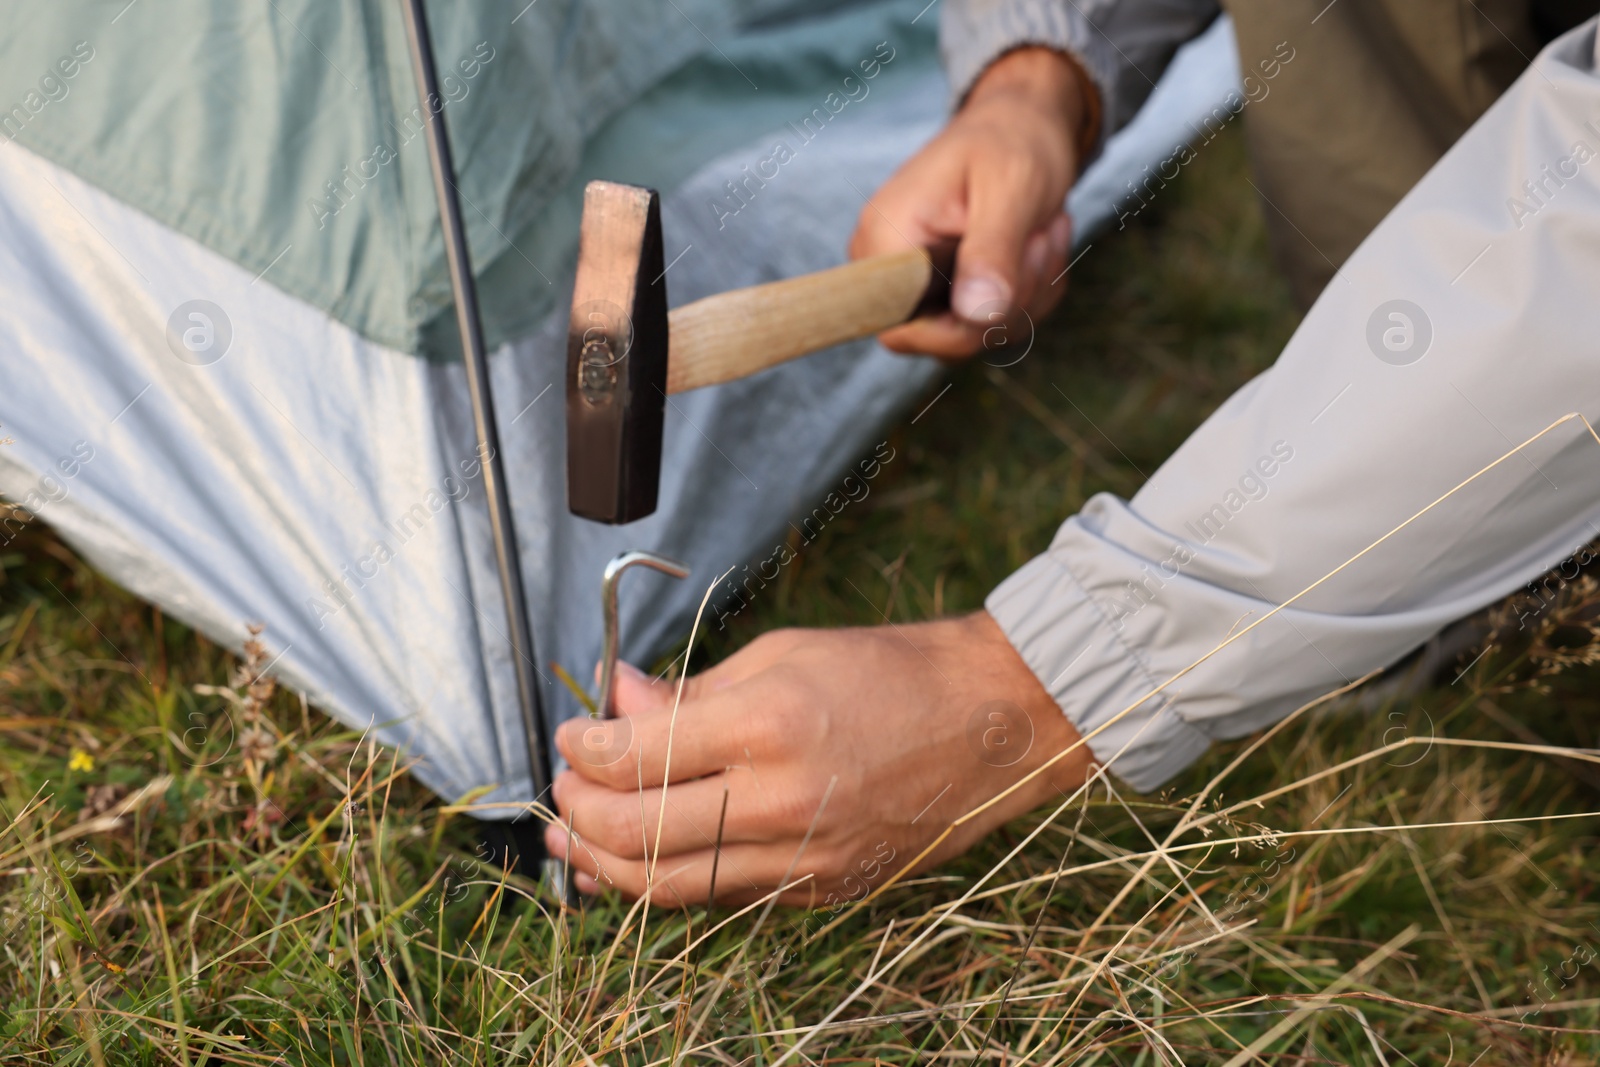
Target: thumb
point(639, 694)
point(636, 693)
point(588, 745)
point(1003, 209)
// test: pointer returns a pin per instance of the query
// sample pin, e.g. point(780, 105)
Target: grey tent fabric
point(313, 481)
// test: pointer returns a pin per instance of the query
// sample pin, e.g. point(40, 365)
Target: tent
point(229, 356)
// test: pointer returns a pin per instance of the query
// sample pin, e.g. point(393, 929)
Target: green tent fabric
point(284, 134)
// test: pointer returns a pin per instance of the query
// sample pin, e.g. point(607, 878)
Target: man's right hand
point(995, 177)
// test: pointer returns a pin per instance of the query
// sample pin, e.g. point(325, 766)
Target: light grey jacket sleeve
point(1466, 324)
point(1123, 45)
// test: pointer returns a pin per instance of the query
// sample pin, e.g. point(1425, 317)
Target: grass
point(198, 872)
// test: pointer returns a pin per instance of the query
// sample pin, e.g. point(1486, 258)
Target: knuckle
point(618, 775)
point(620, 771)
point(829, 865)
point(779, 642)
point(582, 855)
point(759, 731)
point(795, 716)
point(616, 830)
point(791, 810)
point(786, 722)
point(626, 878)
point(695, 687)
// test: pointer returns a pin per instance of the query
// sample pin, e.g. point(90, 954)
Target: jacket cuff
point(975, 33)
point(1083, 663)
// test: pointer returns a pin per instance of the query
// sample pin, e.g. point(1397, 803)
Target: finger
point(642, 690)
point(717, 722)
point(1006, 202)
point(1051, 284)
point(635, 691)
point(919, 206)
point(945, 336)
point(632, 824)
point(879, 232)
point(587, 742)
point(683, 817)
point(743, 872)
point(1035, 261)
point(698, 737)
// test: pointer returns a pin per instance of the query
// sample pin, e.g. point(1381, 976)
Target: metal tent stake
point(478, 386)
point(605, 707)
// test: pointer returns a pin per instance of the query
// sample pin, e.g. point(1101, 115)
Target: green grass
point(175, 890)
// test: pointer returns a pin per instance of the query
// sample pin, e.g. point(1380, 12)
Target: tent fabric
point(302, 475)
point(286, 134)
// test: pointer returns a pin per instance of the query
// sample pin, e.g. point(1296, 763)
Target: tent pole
point(478, 385)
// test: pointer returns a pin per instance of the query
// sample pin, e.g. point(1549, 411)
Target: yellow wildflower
point(80, 761)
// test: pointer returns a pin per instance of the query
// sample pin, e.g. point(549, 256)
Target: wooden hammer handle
point(737, 333)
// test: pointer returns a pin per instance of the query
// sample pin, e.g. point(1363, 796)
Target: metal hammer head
point(617, 356)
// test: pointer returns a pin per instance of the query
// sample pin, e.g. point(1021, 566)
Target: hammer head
point(617, 356)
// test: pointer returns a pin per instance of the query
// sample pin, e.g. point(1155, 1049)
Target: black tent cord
point(494, 483)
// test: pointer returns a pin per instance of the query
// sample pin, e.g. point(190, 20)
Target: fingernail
point(584, 884)
point(555, 840)
point(628, 669)
point(1061, 234)
point(975, 299)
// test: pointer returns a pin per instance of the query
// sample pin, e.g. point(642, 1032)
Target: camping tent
point(229, 360)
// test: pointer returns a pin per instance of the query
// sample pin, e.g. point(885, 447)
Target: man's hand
point(995, 177)
point(871, 741)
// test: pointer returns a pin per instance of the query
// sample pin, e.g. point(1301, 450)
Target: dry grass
point(206, 875)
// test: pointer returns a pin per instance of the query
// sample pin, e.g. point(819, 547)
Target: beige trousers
point(1376, 92)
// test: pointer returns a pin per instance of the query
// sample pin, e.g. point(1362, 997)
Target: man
point(1335, 513)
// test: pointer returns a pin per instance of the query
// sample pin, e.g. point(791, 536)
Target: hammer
point(626, 353)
